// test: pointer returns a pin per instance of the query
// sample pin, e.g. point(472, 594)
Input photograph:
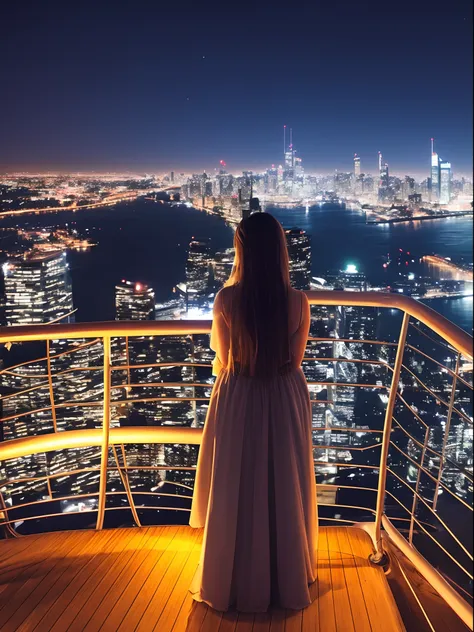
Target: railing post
point(126, 484)
point(50, 383)
point(446, 431)
point(379, 556)
point(105, 435)
point(417, 486)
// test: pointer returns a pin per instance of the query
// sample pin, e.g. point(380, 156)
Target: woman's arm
point(220, 335)
point(299, 339)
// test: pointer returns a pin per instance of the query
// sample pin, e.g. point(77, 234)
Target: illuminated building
point(384, 179)
point(222, 266)
point(342, 182)
point(271, 180)
point(408, 187)
point(356, 165)
point(299, 171)
point(445, 182)
point(435, 175)
point(349, 279)
point(198, 266)
point(172, 309)
point(38, 289)
point(134, 301)
point(299, 254)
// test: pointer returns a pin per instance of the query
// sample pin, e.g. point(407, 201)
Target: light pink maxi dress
point(255, 490)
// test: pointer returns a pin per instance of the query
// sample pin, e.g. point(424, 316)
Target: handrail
point(453, 334)
point(105, 436)
point(457, 603)
point(89, 437)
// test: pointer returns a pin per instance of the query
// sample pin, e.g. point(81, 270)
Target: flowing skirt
point(255, 494)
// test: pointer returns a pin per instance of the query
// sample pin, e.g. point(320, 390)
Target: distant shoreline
point(396, 220)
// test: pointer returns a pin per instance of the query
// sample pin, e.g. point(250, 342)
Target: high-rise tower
point(435, 174)
point(299, 255)
point(38, 289)
point(444, 182)
point(198, 267)
point(134, 301)
point(356, 165)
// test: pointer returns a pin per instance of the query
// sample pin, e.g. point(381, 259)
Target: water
point(341, 237)
point(147, 242)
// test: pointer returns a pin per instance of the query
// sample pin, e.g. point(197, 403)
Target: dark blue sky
point(156, 85)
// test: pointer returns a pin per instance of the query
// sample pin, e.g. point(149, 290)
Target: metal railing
point(110, 416)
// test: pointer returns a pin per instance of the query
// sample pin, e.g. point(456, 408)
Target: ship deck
point(138, 579)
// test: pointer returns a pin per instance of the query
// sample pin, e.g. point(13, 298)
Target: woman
point(255, 490)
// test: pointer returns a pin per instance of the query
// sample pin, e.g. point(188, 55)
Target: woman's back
point(226, 312)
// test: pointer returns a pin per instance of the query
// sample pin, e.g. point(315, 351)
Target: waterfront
point(145, 241)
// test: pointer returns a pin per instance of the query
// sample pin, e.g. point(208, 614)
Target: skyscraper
point(198, 267)
point(299, 254)
point(384, 179)
point(38, 289)
point(445, 182)
point(134, 301)
point(435, 174)
point(222, 265)
point(356, 165)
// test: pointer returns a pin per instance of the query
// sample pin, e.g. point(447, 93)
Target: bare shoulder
point(223, 297)
point(297, 296)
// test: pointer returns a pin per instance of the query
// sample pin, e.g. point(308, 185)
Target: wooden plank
point(262, 621)
point(342, 605)
point(101, 580)
point(197, 615)
point(294, 621)
point(278, 620)
point(33, 575)
point(69, 592)
point(96, 546)
point(159, 593)
point(354, 589)
point(244, 622)
point(69, 605)
point(186, 607)
point(13, 547)
point(327, 618)
point(115, 580)
point(212, 621)
point(381, 607)
point(27, 565)
point(311, 613)
point(228, 621)
point(45, 594)
point(140, 581)
point(172, 609)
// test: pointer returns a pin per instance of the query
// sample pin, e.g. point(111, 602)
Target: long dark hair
point(259, 340)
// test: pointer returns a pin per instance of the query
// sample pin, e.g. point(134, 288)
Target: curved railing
point(108, 419)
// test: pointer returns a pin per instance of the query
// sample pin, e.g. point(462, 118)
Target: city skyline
point(161, 89)
point(356, 163)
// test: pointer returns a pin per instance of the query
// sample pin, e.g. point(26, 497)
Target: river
point(147, 241)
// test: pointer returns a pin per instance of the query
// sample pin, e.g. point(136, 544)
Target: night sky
point(152, 86)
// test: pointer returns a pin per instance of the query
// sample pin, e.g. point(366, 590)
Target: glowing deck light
point(351, 269)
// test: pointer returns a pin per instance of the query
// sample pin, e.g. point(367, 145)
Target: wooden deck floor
point(137, 579)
